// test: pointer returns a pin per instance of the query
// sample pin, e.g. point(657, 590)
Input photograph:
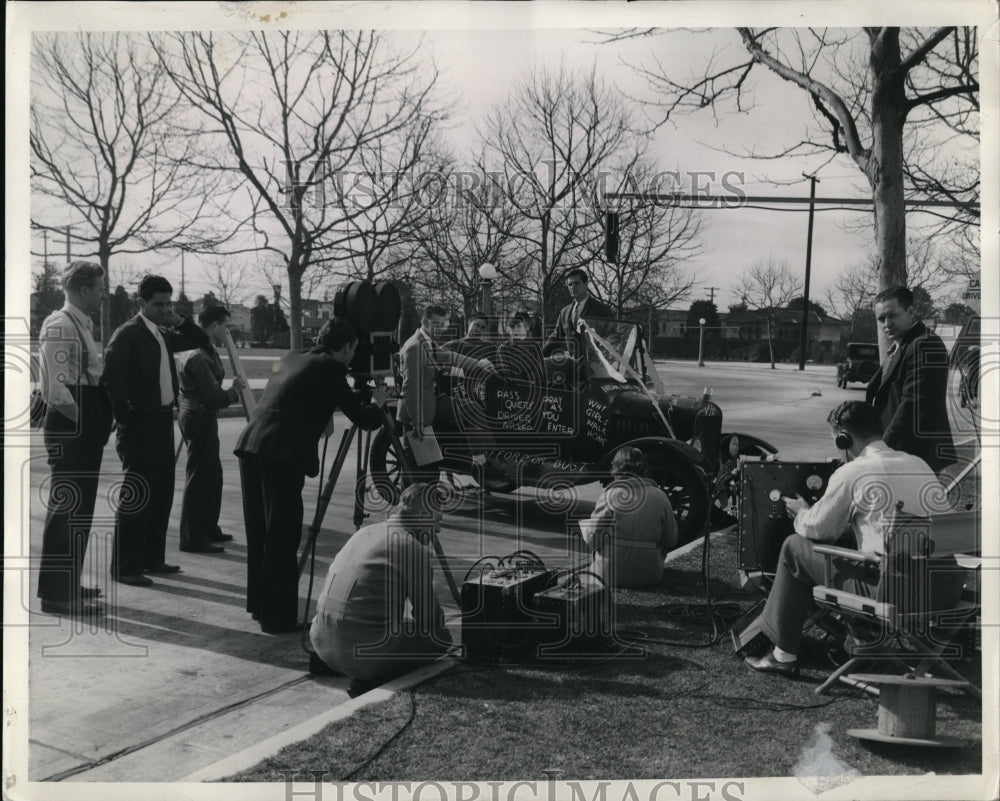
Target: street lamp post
point(487, 274)
point(701, 341)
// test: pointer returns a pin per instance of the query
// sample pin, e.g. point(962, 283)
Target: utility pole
point(711, 293)
point(182, 273)
point(69, 255)
point(45, 249)
point(803, 337)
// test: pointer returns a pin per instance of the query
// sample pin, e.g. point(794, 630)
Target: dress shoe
point(135, 580)
point(78, 609)
point(203, 547)
point(286, 628)
point(89, 592)
point(218, 536)
point(768, 664)
point(163, 570)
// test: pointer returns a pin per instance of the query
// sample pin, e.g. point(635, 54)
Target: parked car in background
point(964, 358)
point(860, 365)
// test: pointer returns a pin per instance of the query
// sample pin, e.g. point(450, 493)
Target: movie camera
point(374, 311)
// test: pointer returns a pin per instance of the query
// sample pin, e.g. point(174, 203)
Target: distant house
point(752, 324)
point(669, 322)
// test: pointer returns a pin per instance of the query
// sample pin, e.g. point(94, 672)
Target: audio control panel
point(763, 521)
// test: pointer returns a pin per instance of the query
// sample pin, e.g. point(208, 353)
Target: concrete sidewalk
point(179, 677)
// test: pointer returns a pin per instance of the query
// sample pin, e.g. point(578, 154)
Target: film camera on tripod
point(374, 311)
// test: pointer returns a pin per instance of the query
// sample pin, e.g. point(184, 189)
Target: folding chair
point(923, 600)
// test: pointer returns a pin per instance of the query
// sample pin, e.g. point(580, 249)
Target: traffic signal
point(611, 236)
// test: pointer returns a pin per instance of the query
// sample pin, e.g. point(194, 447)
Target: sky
point(480, 64)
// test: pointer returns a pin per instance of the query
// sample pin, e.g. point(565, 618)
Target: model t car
point(860, 365)
point(556, 423)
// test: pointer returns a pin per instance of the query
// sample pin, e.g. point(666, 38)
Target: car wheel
point(385, 466)
point(687, 492)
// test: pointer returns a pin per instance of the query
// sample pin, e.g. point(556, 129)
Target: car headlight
point(695, 442)
point(734, 447)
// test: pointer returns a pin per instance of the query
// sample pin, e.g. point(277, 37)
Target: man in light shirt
point(378, 616)
point(76, 429)
point(861, 496)
point(141, 378)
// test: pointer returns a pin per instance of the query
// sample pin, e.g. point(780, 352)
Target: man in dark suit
point(77, 426)
point(584, 305)
point(910, 389)
point(202, 395)
point(277, 450)
point(141, 379)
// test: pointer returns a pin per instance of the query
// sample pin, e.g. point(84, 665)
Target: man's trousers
point(146, 448)
point(790, 602)
point(203, 483)
point(75, 450)
point(272, 513)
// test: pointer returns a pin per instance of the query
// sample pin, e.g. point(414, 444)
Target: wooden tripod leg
point(327, 494)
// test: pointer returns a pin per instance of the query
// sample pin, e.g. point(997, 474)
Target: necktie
point(575, 316)
point(889, 362)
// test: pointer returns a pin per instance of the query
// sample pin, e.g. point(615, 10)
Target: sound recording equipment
point(763, 521)
point(512, 614)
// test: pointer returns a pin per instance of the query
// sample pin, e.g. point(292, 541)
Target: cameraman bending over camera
point(277, 450)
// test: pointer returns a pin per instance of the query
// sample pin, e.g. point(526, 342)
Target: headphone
point(843, 441)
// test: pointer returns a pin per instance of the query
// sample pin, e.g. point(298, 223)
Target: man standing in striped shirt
point(77, 427)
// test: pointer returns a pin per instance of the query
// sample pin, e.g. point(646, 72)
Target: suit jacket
point(297, 405)
point(565, 330)
point(913, 399)
point(132, 365)
point(201, 374)
point(420, 359)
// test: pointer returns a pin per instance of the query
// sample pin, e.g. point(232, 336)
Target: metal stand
point(363, 452)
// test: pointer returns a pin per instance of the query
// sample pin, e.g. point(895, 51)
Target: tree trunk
point(885, 169)
point(295, 302)
point(104, 258)
point(770, 342)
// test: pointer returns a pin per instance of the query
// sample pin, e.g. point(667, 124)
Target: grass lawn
point(675, 712)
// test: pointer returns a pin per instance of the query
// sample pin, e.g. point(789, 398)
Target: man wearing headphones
point(861, 495)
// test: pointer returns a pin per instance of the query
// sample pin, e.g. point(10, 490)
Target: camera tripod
point(363, 451)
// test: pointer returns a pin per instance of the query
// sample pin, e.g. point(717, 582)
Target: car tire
point(688, 493)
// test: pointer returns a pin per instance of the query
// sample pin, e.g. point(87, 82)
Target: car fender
point(675, 447)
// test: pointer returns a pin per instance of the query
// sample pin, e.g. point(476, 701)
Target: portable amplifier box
point(499, 623)
point(763, 521)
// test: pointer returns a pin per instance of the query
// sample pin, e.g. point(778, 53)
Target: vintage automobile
point(964, 358)
point(861, 364)
point(555, 423)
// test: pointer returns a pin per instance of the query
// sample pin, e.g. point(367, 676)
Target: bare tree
point(855, 288)
point(548, 149)
point(655, 240)
point(768, 286)
point(227, 277)
point(468, 225)
point(104, 162)
point(888, 98)
point(298, 111)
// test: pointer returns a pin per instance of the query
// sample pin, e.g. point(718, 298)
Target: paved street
point(181, 676)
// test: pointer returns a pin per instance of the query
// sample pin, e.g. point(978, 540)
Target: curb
point(247, 758)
